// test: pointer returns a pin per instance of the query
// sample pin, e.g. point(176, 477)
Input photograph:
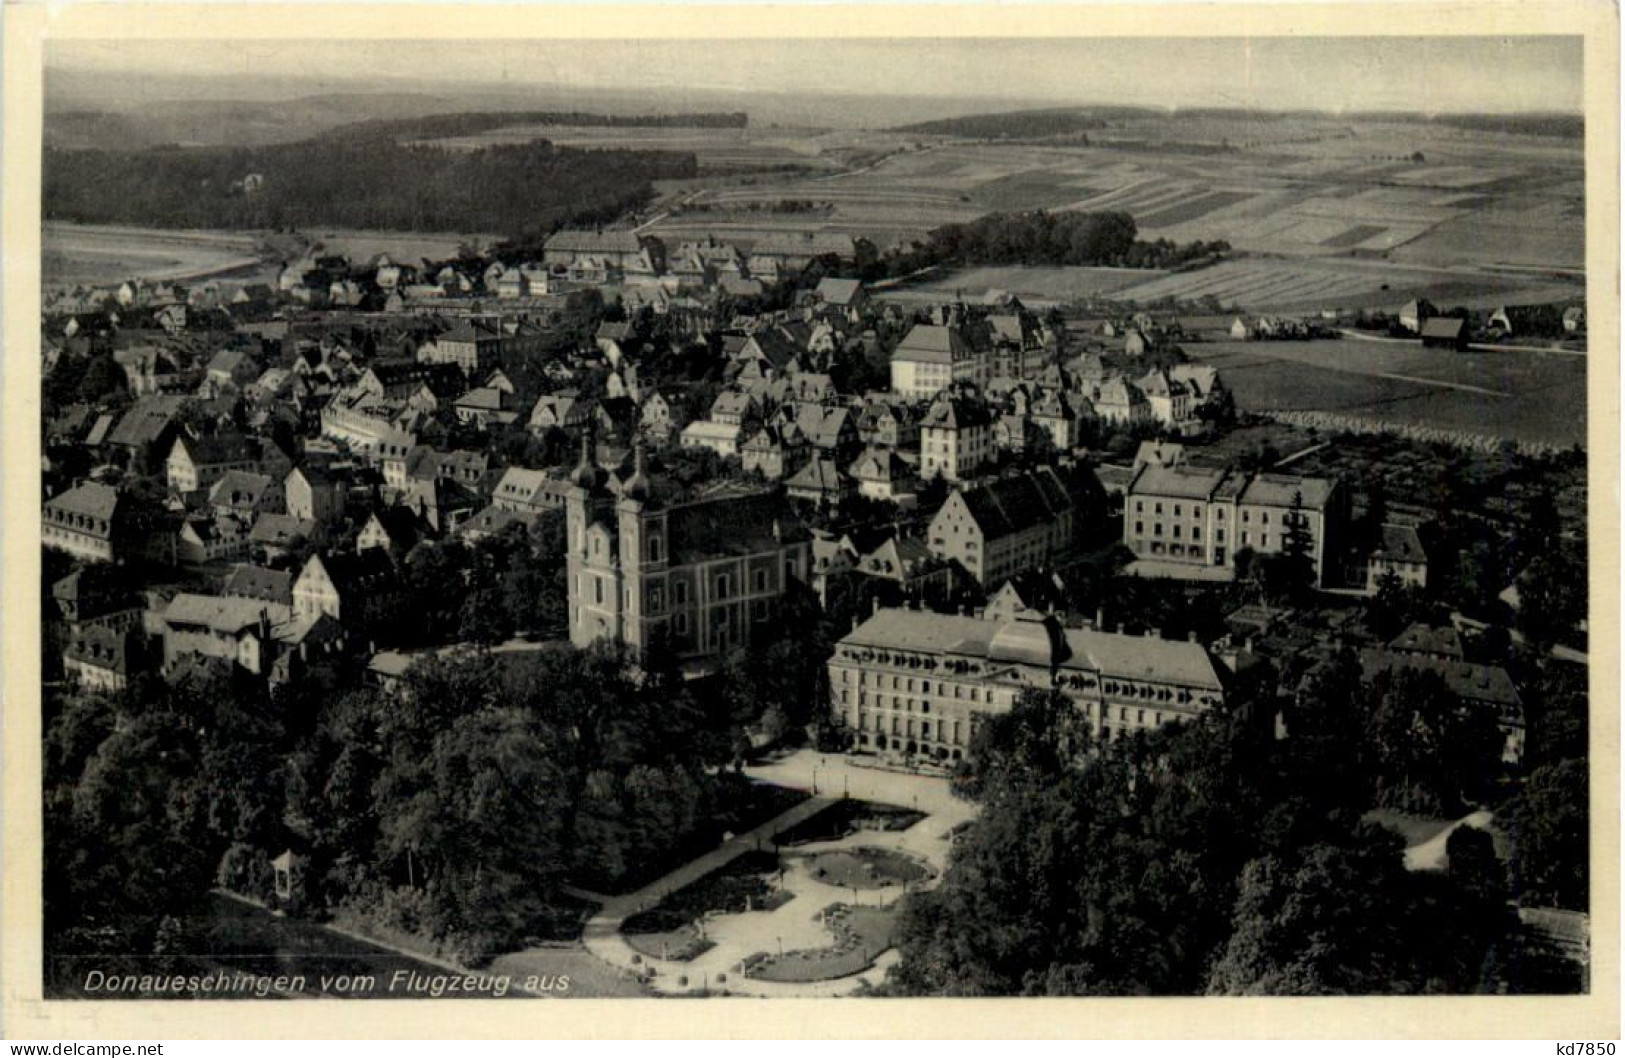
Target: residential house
point(846, 296)
point(1400, 553)
point(530, 491)
point(100, 659)
point(956, 438)
point(1485, 687)
point(316, 495)
point(196, 463)
point(655, 418)
point(882, 423)
point(359, 591)
point(564, 411)
point(882, 474)
point(820, 480)
point(95, 522)
point(776, 450)
point(1444, 332)
point(487, 406)
point(211, 538)
point(474, 344)
point(932, 357)
point(1021, 522)
point(1121, 403)
point(259, 582)
point(276, 536)
point(396, 530)
point(236, 630)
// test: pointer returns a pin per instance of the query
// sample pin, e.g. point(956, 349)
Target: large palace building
point(697, 575)
point(912, 682)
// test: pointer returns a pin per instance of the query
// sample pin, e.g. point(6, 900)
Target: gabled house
point(395, 530)
point(1401, 553)
point(196, 463)
point(956, 438)
point(882, 474)
point(775, 451)
point(315, 495)
point(820, 480)
point(358, 591)
point(1017, 523)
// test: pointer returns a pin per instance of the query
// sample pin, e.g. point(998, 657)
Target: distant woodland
point(1075, 121)
point(355, 180)
point(441, 126)
point(1021, 124)
point(1041, 238)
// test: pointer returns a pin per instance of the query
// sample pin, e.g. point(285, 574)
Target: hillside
point(355, 182)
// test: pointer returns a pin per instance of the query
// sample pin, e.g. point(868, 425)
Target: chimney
point(874, 605)
point(1153, 633)
point(1191, 635)
point(1100, 618)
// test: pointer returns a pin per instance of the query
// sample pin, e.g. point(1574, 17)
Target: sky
point(1432, 75)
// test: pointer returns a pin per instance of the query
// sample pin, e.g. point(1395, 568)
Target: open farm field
point(1299, 189)
point(406, 247)
point(1268, 284)
point(74, 253)
point(1519, 396)
point(1035, 285)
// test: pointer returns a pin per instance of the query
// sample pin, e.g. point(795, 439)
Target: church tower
point(641, 523)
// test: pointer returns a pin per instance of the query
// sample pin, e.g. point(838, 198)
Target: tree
point(1434, 754)
point(482, 816)
point(1297, 560)
point(1092, 870)
point(1551, 838)
point(1393, 608)
point(1551, 599)
point(1320, 921)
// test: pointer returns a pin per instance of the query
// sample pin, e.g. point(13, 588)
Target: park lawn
point(861, 935)
point(589, 976)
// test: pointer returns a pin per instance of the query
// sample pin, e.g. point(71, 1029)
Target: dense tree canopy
point(361, 182)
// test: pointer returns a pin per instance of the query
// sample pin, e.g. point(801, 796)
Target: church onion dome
point(637, 486)
point(1028, 641)
point(585, 474)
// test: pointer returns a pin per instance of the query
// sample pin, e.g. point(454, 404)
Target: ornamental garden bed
point(743, 884)
point(849, 817)
point(861, 934)
point(866, 868)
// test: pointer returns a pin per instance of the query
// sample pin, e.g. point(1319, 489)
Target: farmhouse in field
point(1444, 332)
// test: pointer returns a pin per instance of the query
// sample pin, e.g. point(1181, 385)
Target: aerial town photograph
point(540, 519)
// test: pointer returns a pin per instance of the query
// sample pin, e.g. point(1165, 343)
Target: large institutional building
point(915, 682)
point(1201, 516)
point(697, 575)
